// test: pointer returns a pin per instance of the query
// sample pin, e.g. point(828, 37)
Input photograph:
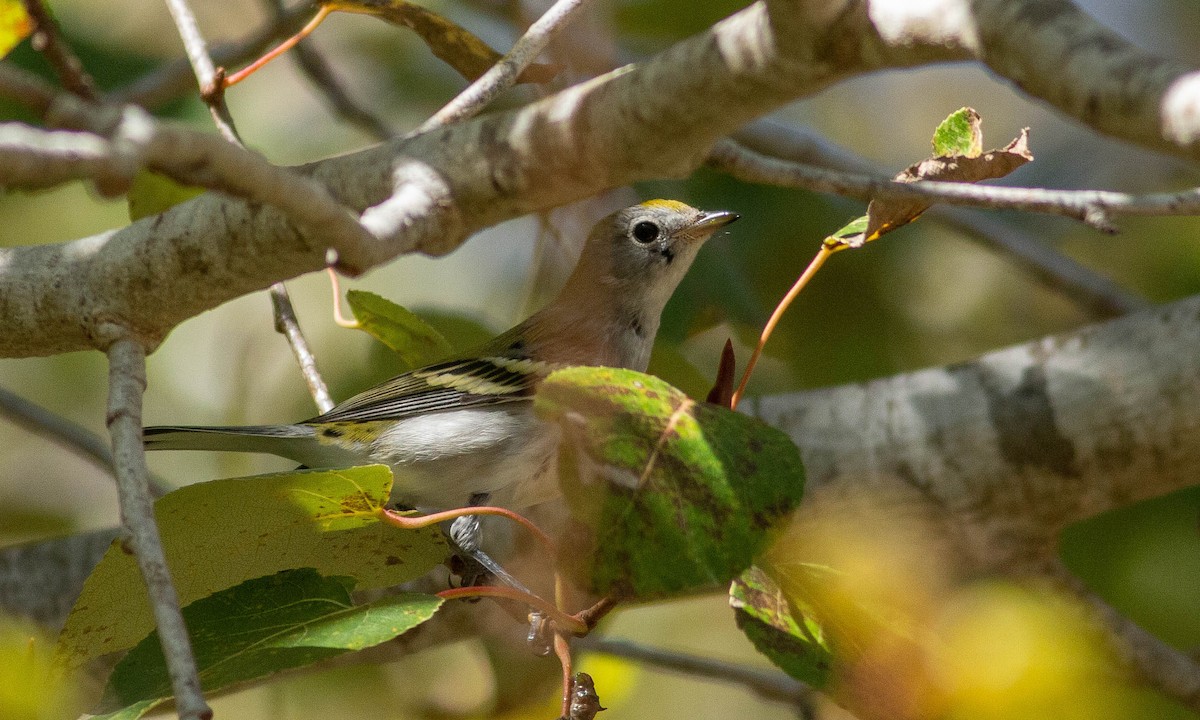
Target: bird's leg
point(466, 534)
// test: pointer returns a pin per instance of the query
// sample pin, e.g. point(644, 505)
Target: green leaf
point(262, 626)
point(220, 533)
point(960, 134)
point(668, 495)
point(410, 337)
point(850, 235)
point(131, 712)
point(855, 227)
point(798, 646)
point(15, 25)
point(152, 193)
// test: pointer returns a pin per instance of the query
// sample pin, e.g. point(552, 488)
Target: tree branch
point(1095, 293)
point(213, 93)
point(1092, 207)
point(1153, 661)
point(312, 63)
point(769, 684)
point(653, 120)
point(504, 73)
point(127, 381)
point(49, 41)
point(176, 79)
point(1012, 447)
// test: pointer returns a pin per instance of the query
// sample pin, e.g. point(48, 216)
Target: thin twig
point(127, 382)
point(211, 80)
point(1095, 208)
point(193, 42)
point(50, 42)
point(42, 421)
point(1093, 291)
point(176, 79)
point(72, 435)
point(813, 266)
point(771, 685)
point(564, 621)
point(1168, 669)
point(287, 325)
point(312, 63)
point(213, 94)
point(213, 91)
point(289, 43)
point(504, 73)
point(562, 650)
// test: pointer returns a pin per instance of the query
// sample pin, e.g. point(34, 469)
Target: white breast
point(441, 459)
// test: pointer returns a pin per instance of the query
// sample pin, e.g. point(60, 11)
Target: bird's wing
point(449, 385)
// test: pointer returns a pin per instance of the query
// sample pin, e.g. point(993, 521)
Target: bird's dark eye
point(645, 232)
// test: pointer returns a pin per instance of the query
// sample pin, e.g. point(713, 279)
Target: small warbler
point(462, 430)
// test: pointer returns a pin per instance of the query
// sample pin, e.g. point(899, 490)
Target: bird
point(462, 431)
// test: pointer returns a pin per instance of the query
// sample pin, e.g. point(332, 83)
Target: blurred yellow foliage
point(31, 687)
point(614, 678)
point(912, 639)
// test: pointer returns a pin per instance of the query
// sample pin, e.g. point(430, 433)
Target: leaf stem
point(821, 256)
point(281, 48)
point(566, 622)
point(416, 522)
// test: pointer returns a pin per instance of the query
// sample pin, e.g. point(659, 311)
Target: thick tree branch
point(41, 581)
point(1010, 448)
point(212, 249)
point(657, 119)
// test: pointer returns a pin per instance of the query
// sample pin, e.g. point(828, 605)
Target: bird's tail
point(270, 439)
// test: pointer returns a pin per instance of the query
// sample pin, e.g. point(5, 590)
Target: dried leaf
point(456, 46)
point(887, 215)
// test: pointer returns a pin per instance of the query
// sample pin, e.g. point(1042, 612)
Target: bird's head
point(644, 251)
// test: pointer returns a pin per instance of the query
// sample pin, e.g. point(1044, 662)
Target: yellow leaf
point(456, 46)
point(15, 25)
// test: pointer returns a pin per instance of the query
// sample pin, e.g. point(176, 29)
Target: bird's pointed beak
point(711, 221)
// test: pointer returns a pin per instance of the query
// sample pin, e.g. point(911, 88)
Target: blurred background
point(923, 296)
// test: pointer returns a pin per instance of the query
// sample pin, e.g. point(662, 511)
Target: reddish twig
point(562, 648)
point(281, 48)
point(822, 255)
point(562, 620)
point(416, 522)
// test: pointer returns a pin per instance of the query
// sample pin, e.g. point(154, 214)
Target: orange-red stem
point(240, 75)
point(567, 622)
point(416, 522)
point(822, 255)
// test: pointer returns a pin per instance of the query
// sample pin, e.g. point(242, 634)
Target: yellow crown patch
point(674, 205)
